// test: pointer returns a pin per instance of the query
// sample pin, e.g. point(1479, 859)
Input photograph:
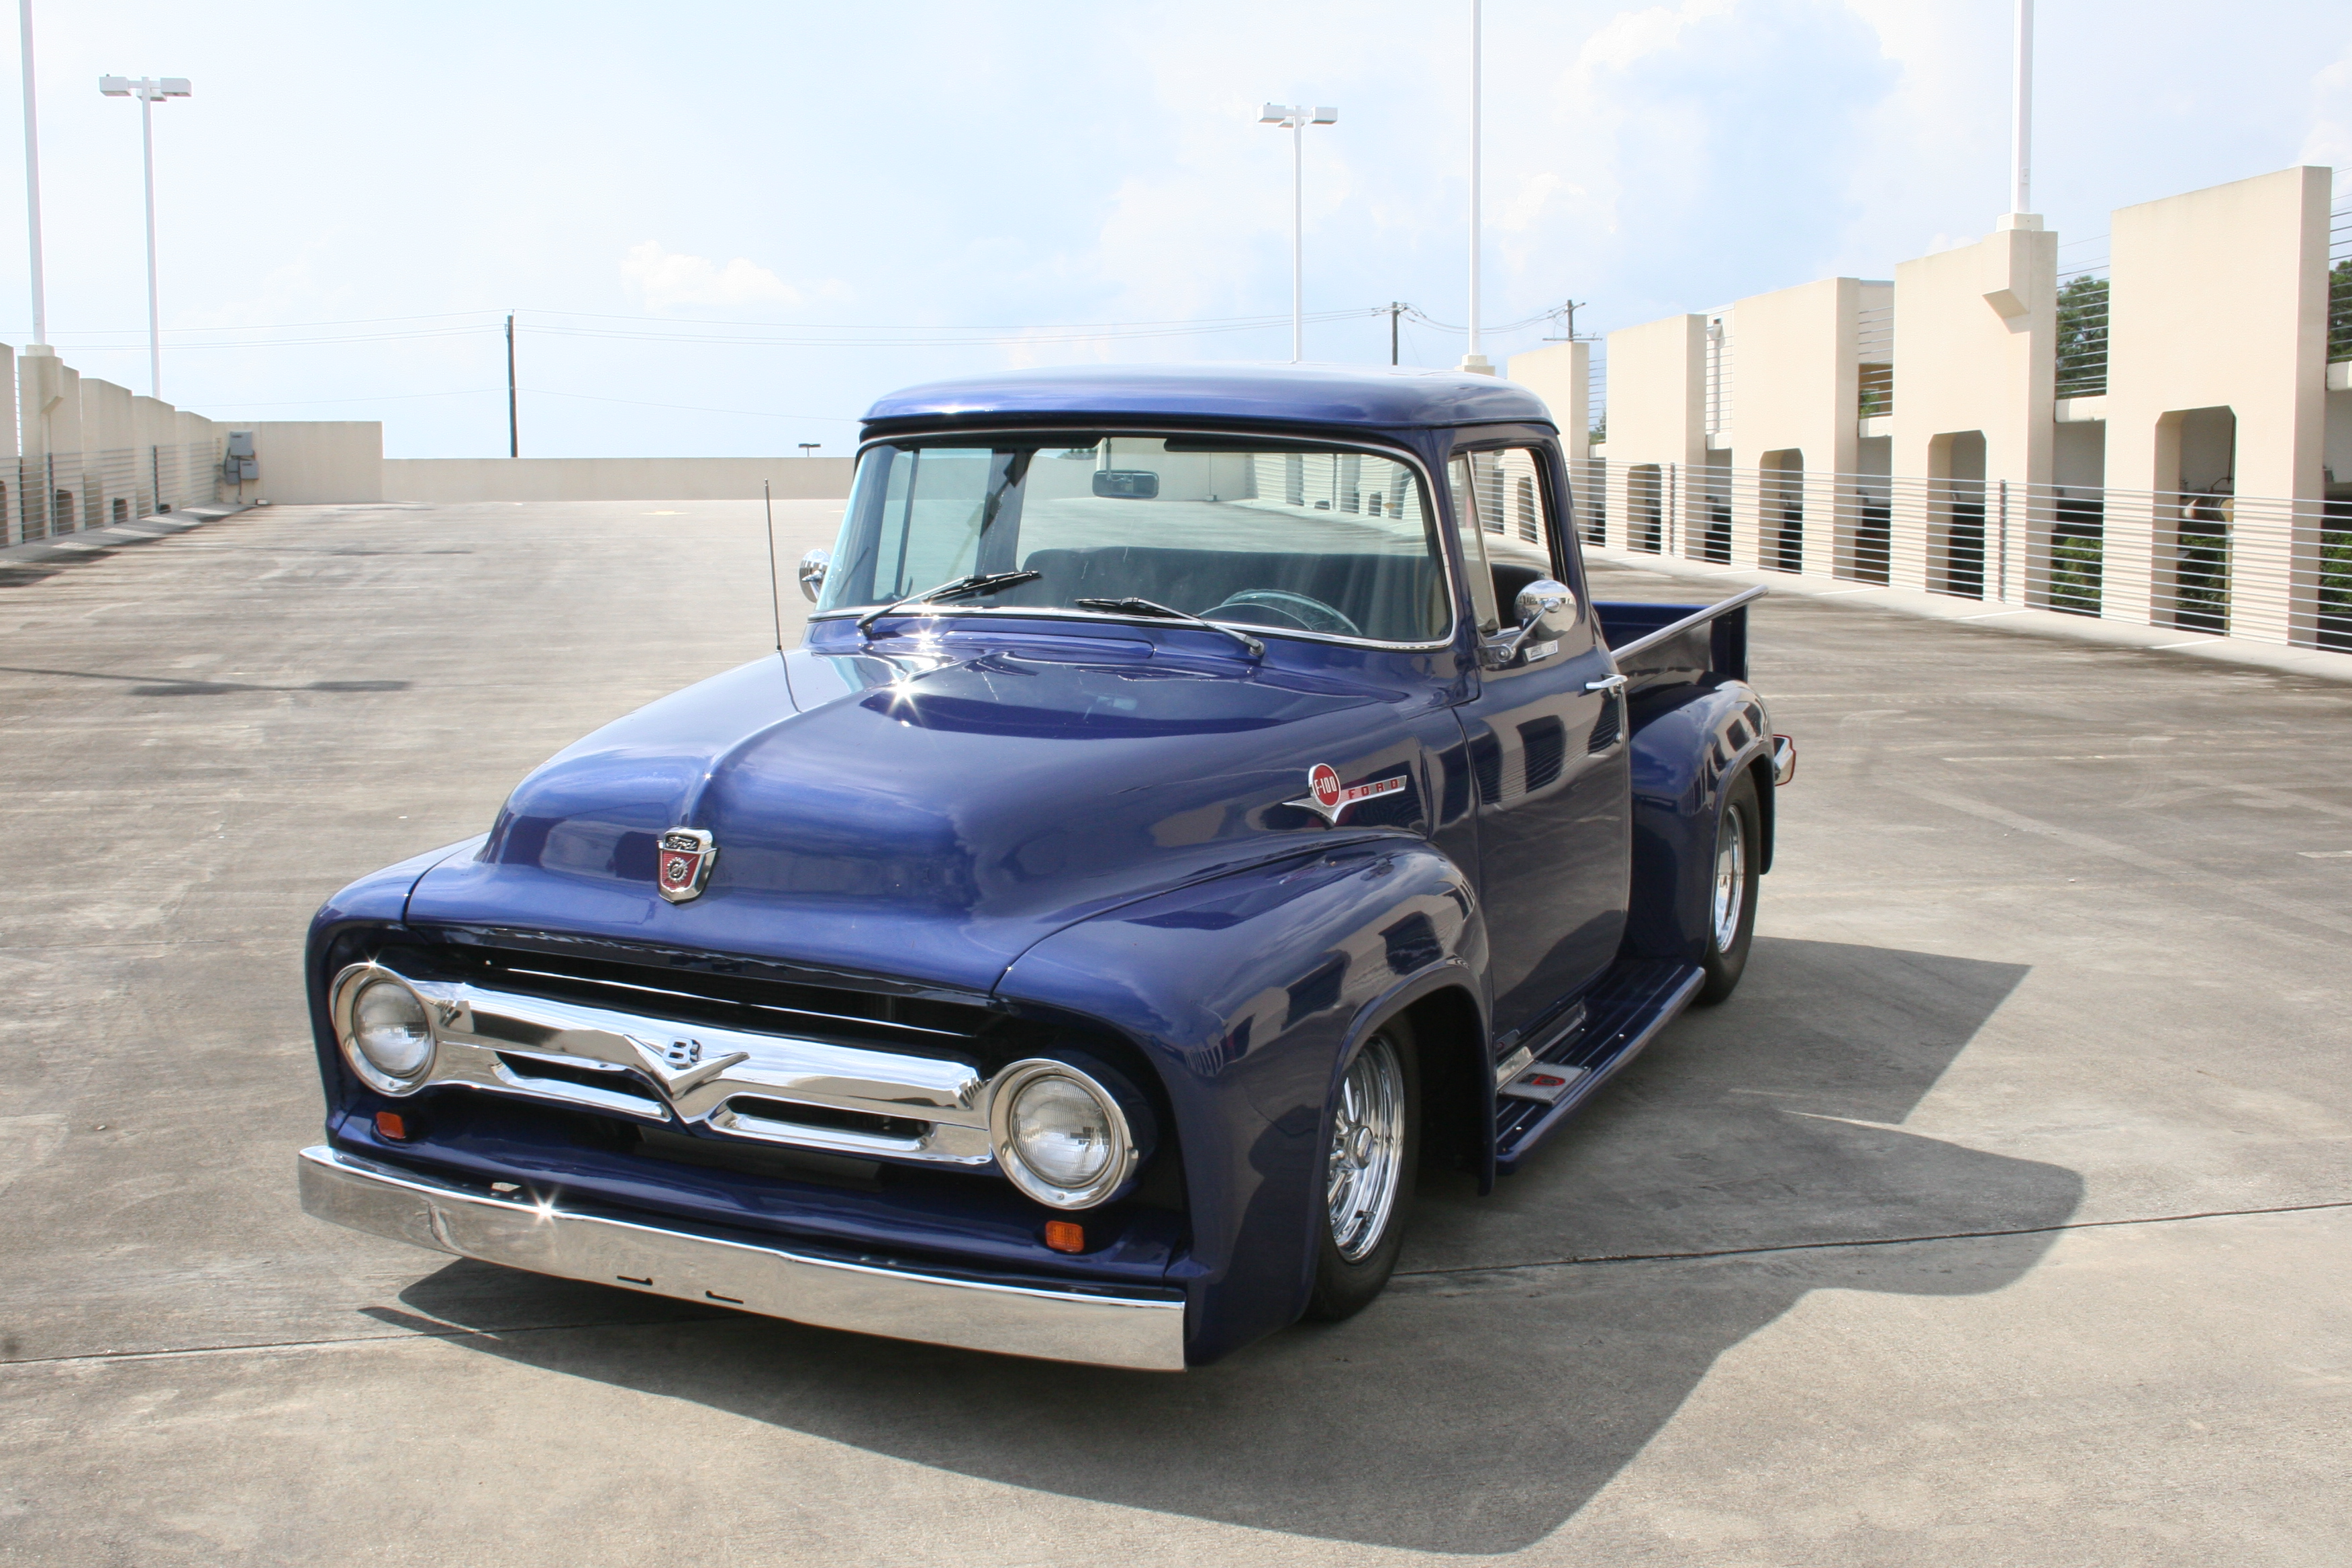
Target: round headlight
point(389, 1026)
point(1060, 1135)
point(386, 1032)
point(1061, 1131)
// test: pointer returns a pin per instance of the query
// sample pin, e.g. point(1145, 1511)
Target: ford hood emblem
point(682, 863)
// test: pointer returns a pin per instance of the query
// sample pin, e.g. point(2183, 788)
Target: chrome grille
point(762, 1085)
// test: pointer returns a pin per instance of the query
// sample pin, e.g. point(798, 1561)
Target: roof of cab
point(1295, 394)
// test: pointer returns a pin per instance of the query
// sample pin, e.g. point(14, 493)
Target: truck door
point(1547, 742)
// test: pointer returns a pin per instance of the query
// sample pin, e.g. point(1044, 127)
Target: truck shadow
point(1534, 1341)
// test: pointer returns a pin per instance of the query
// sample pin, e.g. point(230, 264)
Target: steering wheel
point(1277, 608)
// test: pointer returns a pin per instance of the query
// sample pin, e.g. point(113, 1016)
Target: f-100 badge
point(682, 863)
point(1328, 798)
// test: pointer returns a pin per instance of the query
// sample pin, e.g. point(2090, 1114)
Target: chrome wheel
point(1367, 1149)
point(1730, 877)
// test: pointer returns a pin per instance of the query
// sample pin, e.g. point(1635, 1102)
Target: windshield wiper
point(1161, 612)
point(972, 587)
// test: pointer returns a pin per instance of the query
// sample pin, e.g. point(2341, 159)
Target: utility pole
point(33, 176)
point(1568, 311)
point(514, 430)
point(1396, 309)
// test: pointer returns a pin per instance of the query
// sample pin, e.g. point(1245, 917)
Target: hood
point(931, 817)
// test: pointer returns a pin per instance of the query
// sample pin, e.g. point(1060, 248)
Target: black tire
point(1740, 818)
point(1348, 1275)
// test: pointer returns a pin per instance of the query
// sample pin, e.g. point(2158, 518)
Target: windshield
point(1258, 533)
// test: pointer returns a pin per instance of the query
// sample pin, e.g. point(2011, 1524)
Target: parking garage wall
point(459, 479)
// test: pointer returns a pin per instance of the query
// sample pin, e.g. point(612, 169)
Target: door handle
point(1614, 683)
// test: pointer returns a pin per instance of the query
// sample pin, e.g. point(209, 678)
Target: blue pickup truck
point(1204, 799)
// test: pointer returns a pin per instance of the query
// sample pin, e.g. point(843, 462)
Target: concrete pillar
point(12, 485)
point(48, 415)
point(1976, 340)
point(1795, 352)
point(151, 437)
point(198, 439)
point(1561, 376)
point(1656, 415)
point(106, 450)
point(2217, 299)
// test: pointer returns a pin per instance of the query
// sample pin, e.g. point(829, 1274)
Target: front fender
point(377, 899)
point(1247, 993)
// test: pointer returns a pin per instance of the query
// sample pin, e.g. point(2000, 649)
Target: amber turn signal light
point(1066, 1236)
point(388, 1124)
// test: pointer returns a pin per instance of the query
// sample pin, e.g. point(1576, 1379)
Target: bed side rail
point(1658, 643)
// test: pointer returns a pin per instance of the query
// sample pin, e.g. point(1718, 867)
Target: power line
point(692, 408)
point(688, 331)
point(1117, 332)
point(813, 337)
point(374, 397)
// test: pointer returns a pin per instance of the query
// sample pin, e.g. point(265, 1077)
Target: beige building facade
point(83, 453)
point(2156, 441)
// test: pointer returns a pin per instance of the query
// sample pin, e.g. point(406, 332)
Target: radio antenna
point(776, 595)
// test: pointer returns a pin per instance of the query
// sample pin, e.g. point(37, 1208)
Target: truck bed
point(1670, 645)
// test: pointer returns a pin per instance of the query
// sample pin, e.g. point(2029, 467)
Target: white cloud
point(668, 278)
point(2329, 140)
point(1626, 38)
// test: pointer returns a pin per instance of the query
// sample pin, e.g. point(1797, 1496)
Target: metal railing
point(1596, 392)
point(1874, 346)
point(2083, 333)
point(1589, 489)
point(2339, 280)
point(2268, 570)
point(66, 492)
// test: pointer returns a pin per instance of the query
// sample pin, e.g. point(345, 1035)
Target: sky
point(724, 229)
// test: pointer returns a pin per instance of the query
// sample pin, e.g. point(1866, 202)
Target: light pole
point(1297, 118)
point(33, 175)
point(1472, 359)
point(149, 90)
point(2021, 128)
point(809, 448)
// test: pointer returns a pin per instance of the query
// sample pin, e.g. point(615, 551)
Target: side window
point(1511, 503)
point(1461, 477)
point(1514, 530)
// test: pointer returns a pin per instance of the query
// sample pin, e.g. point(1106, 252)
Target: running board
point(1621, 1014)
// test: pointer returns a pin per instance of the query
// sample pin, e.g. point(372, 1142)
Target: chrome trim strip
point(657, 1067)
point(1146, 1333)
point(640, 988)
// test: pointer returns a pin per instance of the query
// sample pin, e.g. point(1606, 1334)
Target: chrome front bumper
point(1103, 1330)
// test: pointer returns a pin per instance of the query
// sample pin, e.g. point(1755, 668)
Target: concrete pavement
point(2000, 1217)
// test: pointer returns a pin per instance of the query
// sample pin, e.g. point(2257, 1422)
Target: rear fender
point(1248, 994)
point(1689, 742)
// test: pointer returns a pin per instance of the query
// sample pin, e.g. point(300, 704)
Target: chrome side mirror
point(1547, 609)
point(813, 568)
